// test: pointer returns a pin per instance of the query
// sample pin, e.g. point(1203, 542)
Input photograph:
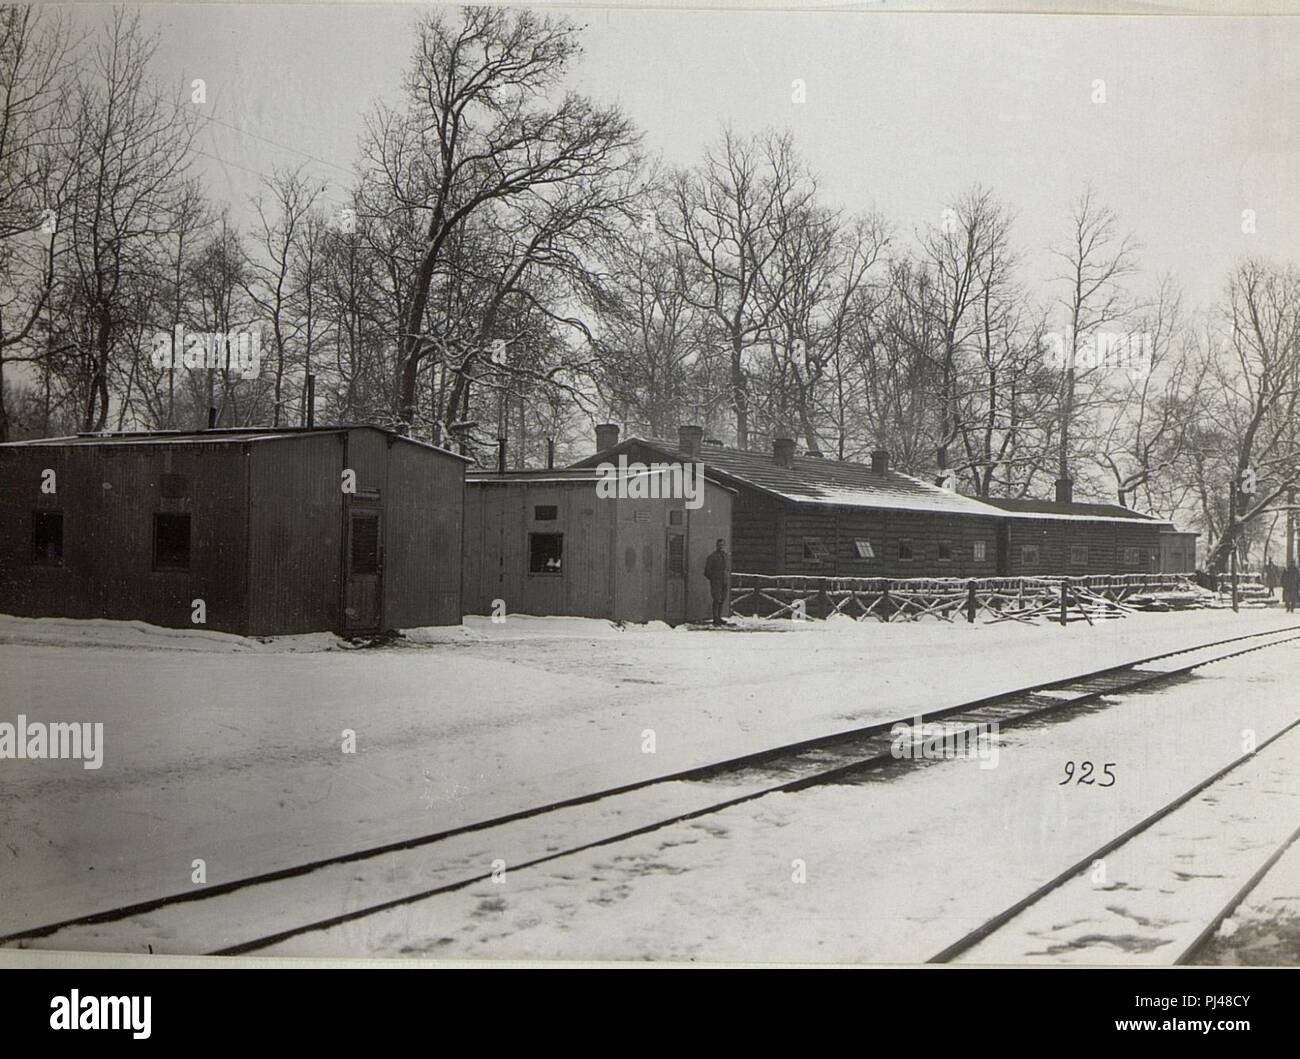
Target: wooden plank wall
point(615, 551)
point(296, 534)
point(1105, 542)
point(705, 525)
point(423, 510)
point(839, 527)
point(109, 495)
point(499, 517)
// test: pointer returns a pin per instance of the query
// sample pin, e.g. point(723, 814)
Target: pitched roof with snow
point(1040, 509)
point(814, 480)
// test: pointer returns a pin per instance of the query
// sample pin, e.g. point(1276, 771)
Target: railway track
point(250, 914)
point(1028, 933)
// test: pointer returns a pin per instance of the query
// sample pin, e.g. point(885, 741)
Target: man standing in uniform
point(1291, 587)
point(717, 568)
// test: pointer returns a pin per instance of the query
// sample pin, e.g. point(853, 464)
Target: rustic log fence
point(1026, 599)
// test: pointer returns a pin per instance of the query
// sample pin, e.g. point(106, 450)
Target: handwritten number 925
point(1086, 777)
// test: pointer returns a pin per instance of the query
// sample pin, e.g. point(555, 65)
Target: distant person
point(1291, 588)
point(717, 568)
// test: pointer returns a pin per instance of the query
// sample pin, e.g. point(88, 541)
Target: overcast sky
point(1201, 118)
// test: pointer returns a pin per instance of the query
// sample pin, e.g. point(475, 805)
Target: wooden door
point(363, 593)
point(675, 577)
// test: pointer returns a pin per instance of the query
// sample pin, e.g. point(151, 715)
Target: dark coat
point(1291, 584)
point(717, 568)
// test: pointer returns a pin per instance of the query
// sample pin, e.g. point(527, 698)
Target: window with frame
point(905, 548)
point(815, 550)
point(1078, 555)
point(981, 551)
point(1131, 557)
point(945, 551)
point(1029, 554)
point(171, 541)
point(862, 549)
point(675, 516)
point(47, 538)
point(545, 553)
point(545, 512)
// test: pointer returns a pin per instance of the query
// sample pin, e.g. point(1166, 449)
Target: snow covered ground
point(894, 870)
point(230, 751)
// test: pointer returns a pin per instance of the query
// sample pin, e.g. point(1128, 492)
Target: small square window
point(545, 553)
point(171, 542)
point(945, 552)
point(1131, 557)
point(815, 550)
point(1029, 554)
point(905, 548)
point(546, 513)
point(862, 549)
point(1078, 555)
point(675, 516)
point(47, 538)
point(981, 551)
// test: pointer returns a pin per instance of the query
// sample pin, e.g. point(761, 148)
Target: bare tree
point(1255, 389)
point(482, 148)
point(34, 129)
point(731, 215)
point(1096, 259)
point(127, 165)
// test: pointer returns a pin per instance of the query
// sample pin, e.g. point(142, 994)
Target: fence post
point(970, 602)
point(1063, 603)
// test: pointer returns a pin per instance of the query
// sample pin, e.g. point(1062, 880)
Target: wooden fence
point(1026, 599)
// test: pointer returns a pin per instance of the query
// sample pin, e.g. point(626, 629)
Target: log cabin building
point(1066, 538)
point(828, 518)
point(349, 529)
point(812, 516)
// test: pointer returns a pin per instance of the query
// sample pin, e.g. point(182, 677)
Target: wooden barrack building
point(350, 529)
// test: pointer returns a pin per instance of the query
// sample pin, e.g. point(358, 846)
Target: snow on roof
point(1073, 511)
point(816, 480)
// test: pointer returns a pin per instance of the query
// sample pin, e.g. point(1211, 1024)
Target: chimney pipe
point(880, 461)
point(550, 453)
point(606, 436)
point(212, 417)
point(1065, 491)
point(311, 401)
point(783, 452)
point(501, 455)
point(689, 439)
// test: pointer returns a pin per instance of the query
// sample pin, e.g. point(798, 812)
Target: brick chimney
point(880, 461)
point(783, 452)
point(689, 439)
point(1065, 491)
point(606, 436)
